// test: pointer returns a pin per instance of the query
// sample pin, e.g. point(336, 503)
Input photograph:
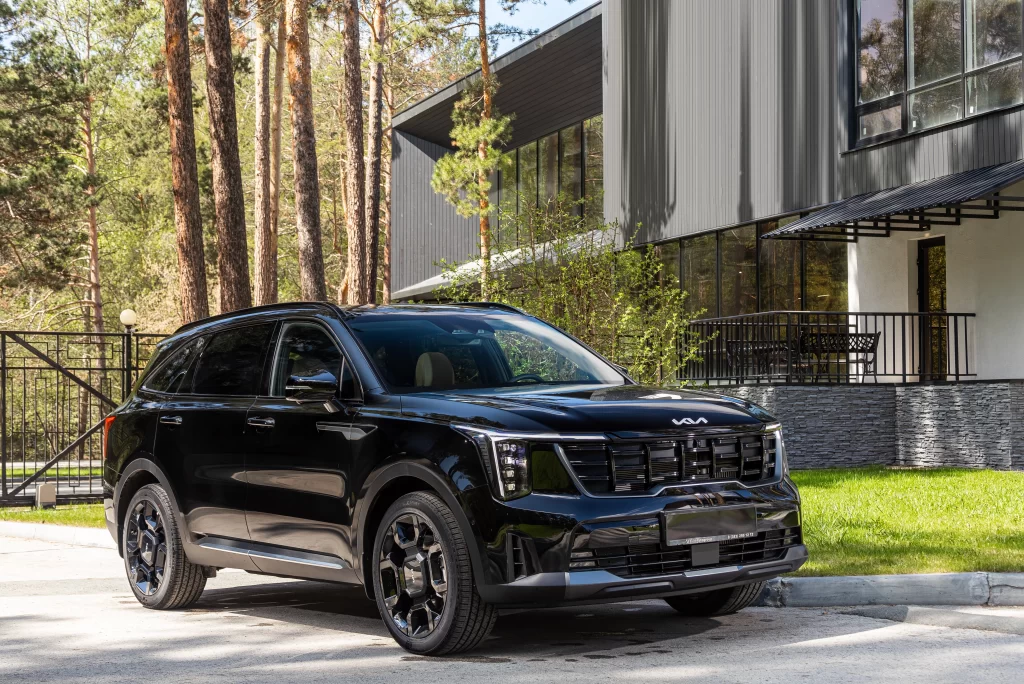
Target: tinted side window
point(232, 362)
point(168, 377)
point(305, 350)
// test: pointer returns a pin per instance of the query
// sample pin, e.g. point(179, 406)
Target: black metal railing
point(827, 347)
point(55, 390)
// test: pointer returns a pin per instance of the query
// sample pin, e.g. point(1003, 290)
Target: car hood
point(626, 411)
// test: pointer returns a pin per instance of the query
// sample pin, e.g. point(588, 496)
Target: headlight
point(781, 462)
point(506, 460)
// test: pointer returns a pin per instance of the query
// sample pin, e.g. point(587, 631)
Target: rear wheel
point(160, 575)
point(423, 579)
point(718, 602)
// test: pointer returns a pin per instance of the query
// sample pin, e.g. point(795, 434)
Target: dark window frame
point(270, 366)
point(903, 98)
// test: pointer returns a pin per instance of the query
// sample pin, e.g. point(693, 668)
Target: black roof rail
point(493, 305)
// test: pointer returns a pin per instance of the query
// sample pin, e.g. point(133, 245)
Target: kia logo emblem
point(690, 421)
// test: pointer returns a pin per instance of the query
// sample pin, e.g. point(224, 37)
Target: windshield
point(424, 351)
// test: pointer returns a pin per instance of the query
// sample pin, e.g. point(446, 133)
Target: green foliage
point(39, 100)
point(457, 174)
point(571, 271)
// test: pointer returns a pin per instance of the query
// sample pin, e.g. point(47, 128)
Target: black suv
point(451, 459)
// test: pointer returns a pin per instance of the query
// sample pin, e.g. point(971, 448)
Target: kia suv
point(453, 460)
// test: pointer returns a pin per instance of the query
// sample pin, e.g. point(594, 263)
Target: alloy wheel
point(146, 547)
point(413, 575)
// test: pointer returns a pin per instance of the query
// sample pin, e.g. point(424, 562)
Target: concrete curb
point(946, 589)
point(934, 617)
point(64, 534)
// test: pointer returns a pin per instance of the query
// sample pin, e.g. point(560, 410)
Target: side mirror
point(319, 388)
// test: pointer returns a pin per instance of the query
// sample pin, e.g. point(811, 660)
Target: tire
point(160, 575)
point(718, 602)
point(423, 579)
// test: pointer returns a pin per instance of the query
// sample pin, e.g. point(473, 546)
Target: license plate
point(709, 525)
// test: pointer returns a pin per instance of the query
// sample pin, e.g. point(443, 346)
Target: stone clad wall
point(973, 425)
point(831, 427)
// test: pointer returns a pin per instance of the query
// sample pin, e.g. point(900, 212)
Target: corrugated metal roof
point(863, 211)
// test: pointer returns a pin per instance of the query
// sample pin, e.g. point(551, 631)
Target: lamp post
point(128, 319)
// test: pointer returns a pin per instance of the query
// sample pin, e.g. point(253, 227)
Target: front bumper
point(596, 586)
point(525, 545)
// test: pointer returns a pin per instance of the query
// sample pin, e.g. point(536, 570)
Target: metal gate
point(55, 390)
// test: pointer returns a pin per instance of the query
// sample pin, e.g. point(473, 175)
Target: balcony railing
point(819, 347)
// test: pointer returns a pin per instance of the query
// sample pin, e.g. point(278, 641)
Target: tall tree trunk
point(307, 184)
point(184, 174)
point(95, 316)
point(378, 41)
point(228, 199)
point(355, 181)
point(488, 96)
point(275, 149)
point(264, 259)
point(385, 205)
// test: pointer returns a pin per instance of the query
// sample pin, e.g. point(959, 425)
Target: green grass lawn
point(80, 515)
point(864, 521)
point(871, 521)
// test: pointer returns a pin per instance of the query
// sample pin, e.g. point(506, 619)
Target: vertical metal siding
point(425, 227)
point(717, 113)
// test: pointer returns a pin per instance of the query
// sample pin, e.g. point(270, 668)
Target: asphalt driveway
point(66, 614)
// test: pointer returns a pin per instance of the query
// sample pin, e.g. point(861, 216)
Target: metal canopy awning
point(911, 208)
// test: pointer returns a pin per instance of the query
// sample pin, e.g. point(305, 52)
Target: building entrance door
point(931, 299)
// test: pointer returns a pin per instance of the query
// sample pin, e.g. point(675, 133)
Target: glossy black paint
point(297, 489)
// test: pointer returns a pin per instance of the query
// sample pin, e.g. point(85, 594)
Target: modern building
point(838, 185)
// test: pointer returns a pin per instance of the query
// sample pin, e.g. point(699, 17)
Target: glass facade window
point(547, 169)
point(780, 271)
point(880, 41)
point(593, 149)
point(668, 257)
point(527, 177)
point(739, 271)
point(700, 274)
point(825, 268)
point(963, 58)
point(571, 182)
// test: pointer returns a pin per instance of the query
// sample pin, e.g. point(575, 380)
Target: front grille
point(635, 468)
point(657, 559)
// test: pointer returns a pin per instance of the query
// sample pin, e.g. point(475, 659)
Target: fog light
point(582, 559)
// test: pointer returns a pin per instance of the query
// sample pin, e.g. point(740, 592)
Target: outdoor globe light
point(128, 318)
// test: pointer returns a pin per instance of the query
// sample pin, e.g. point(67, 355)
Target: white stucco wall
point(984, 275)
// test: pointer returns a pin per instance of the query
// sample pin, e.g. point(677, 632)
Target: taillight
point(107, 423)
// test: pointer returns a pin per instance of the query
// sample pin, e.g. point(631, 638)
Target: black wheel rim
point(413, 575)
point(145, 547)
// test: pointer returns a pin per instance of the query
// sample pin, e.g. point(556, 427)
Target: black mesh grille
point(656, 559)
point(635, 468)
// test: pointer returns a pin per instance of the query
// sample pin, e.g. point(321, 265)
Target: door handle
point(170, 420)
point(261, 422)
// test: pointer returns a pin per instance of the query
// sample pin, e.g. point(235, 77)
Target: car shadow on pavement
point(546, 633)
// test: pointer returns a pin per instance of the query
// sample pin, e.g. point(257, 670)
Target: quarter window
point(168, 377)
point(925, 63)
point(232, 363)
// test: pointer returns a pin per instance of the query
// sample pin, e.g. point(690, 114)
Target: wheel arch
point(386, 486)
point(138, 473)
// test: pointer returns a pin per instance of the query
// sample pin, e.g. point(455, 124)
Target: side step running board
point(255, 550)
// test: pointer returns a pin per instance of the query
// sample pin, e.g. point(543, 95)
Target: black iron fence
point(55, 390)
point(803, 347)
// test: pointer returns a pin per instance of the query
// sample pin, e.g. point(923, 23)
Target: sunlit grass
point(78, 515)
point(868, 521)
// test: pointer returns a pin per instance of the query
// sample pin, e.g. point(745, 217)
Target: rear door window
point(232, 363)
point(168, 376)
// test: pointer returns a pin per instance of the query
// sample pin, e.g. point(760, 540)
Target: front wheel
point(160, 575)
point(717, 602)
point(423, 579)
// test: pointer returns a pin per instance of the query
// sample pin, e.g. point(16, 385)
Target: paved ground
point(66, 613)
